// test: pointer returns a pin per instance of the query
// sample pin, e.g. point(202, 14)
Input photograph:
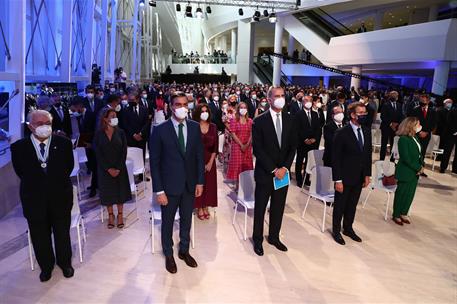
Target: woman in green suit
point(410, 166)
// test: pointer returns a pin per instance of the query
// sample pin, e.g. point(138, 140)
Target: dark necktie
point(59, 110)
point(394, 105)
point(92, 105)
point(42, 150)
point(181, 138)
point(136, 111)
point(308, 113)
point(359, 138)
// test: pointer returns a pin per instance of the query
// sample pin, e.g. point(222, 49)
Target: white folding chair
point(245, 197)
point(376, 183)
point(314, 159)
point(136, 155)
point(433, 148)
point(376, 139)
point(321, 189)
point(82, 156)
point(77, 221)
point(76, 172)
point(133, 189)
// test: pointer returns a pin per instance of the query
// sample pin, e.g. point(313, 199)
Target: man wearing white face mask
point(274, 145)
point(329, 132)
point(43, 162)
point(177, 168)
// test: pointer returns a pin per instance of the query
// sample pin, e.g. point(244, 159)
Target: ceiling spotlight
point(178, 7)
point(272, 17)
point(152, 3)
point(141, 3)
point(199, 13)
point(240, 12)
point(208, 10)
point(255, 18)
point(265, 13)
point(189, 10)
point(257, 14)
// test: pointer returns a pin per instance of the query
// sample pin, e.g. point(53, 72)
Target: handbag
point(389, 181)
point(388, 176)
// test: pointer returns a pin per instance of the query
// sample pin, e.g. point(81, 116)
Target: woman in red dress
point(241, 150)
point(210, 146)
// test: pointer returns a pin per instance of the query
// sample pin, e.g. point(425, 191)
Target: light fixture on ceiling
point(240, 11)
point(265, 13)
point(199, 13)
point(178, 7)
point(272, 18)
point(141, 3)
point(152, 3)
point(257, 13)
point(208, 10)
point(188, 10)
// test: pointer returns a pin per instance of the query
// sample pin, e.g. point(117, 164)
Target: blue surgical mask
point(448, 106)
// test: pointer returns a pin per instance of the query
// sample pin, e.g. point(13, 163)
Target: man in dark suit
point(61, 121)
point(274, 145)
point(93, 106)
point(427, 119)
point(135, 122)
point(252, 104)
point(307, 130)
point(146, 102)
point(44, 162)
point(371, 116)
point(296, 105)
point(317, 108)
point(329, 132)
point(449, 137)
point(391, 116)
point(351, 169)
point(177, 169)
point(339, 102)
point(216, 112)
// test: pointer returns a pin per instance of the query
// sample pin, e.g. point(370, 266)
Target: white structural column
point(65, 66)
point(233, 52)
point(355, 82)
point(134, 41)
point(104, 33)
point(88, 51)
point(440, 77)
point(245, 51)
point(16, 66)
point(112, 46)
point(224, 43)
point(378, 18)
point(291, 46)
point(279, 29)
point(371, 85)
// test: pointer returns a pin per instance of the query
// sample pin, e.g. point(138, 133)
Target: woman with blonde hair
point(410, 166)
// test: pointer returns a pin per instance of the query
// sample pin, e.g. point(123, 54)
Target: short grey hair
point(34, 113)
point(270, 90)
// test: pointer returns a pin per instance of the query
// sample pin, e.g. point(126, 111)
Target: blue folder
point(281, 183)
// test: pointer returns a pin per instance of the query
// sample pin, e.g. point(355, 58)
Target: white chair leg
point(434, 159)
point(306, 206)
point(303, 184)
point(101, 213)
point(84, 229)
point(193, 231)
point(32, 262)
point(245, 222)
point(323, 217)
point(366, 198)
point(387, 205)
point(79, 188)
point(79, 243)
point(152, 235)
point(234, 213)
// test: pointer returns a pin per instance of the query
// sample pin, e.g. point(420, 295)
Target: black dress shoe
point(339, 238)
point(68, 272)
point(423, 174)
point(258, 249)
point(186, 257)
point(170, 264)
point(442, 171)
point(353, 236)
point(45, 276)
point(277, 243)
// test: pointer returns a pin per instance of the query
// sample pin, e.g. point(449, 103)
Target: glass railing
point(202, 60)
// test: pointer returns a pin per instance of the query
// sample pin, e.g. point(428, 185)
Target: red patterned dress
point(240, 161)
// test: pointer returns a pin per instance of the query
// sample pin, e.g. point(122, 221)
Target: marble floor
point(411, 264)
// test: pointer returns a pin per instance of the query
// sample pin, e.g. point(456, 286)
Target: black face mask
point(132, 103)
point(57, 104)
point(423, 104)
point(233, 104)
point(392, 99)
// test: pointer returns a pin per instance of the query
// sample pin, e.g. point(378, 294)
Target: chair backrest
point(75, 209)
point(129, 164)
point(246, 187)
point(76, 163)
point(314, 159)
point(136, 155)
point(378, 173)
point(375, 136)
point(394, 149)
point(322, 181)
point(433, 144)
point(82, 156)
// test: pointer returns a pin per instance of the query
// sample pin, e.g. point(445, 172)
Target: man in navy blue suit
point(177, 169)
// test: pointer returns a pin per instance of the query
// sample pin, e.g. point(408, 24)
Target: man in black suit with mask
point(43, 162)
point(274, 145)
point(329, 133)
point(391, 116)
point(339, 102)
point(351, 170)
point(61, 120)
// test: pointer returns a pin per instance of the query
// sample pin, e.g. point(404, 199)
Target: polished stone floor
point(411, 264)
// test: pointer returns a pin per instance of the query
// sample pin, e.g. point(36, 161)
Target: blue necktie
point(42, 150)
point(359, 139)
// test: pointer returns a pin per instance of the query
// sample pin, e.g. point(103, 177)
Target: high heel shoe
point(398, 221)
point(206, 214)
point(111, 220)
point(120, 225)
point(201, 215)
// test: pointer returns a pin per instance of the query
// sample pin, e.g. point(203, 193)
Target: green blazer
point(410, 160)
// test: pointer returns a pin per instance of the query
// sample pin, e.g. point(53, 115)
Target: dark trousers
point(185, 203)
point(424, 144)
point(345, 207)
point(264, 192)
point(92, 166)
point(40, 232)
point(448, 144)
point(302, 155)
point(387, 137)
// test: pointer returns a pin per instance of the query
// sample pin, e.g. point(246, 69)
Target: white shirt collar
point(176, 123)
point(354, 127)
point(274, 114)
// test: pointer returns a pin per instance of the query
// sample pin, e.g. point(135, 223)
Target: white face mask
point(263, 104)
point(243, 112)
point(90, 95)
point(216, 98)
point(145, 96)
point(254, 97)
point(418, 129)
point(338, 117)
point(114, 122)
point(308, 105)
point(190, 105)
point(118, 108)
point(124, 102)
point(225, 106)
point(319, 105)
point(112, 90)
point(238, 92)
point(279, 103)
point(43, 131)
point(75, 114)
point(181, 113)
point(204, 116)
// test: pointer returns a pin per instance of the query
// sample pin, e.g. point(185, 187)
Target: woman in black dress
point(111, 151)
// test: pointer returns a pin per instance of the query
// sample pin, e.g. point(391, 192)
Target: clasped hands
point(113, 172)
point(310, 141)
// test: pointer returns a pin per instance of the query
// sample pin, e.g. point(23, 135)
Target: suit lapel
point(189, 137)
point(172, 134)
